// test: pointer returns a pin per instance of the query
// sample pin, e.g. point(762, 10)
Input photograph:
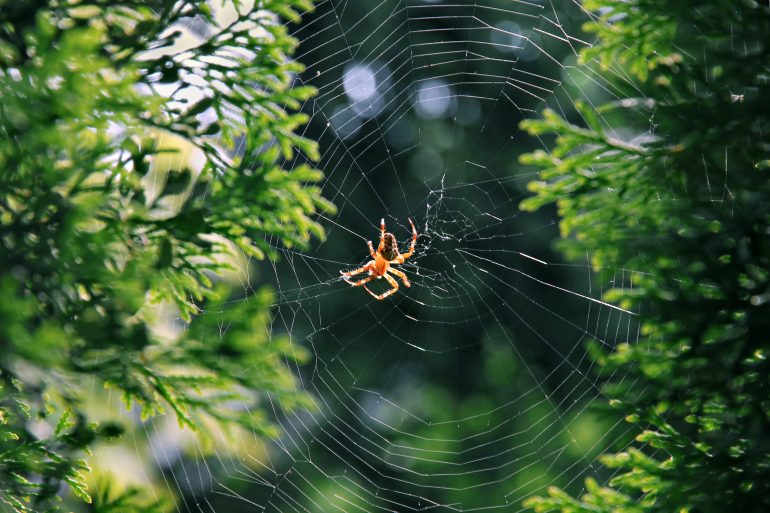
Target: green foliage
point(132, 500)
point(104, 212)
point(688, 206)
point(25, 456)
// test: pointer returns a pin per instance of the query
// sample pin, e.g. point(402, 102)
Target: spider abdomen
point(389, 247)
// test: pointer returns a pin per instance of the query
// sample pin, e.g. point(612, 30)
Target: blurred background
point(473, 389)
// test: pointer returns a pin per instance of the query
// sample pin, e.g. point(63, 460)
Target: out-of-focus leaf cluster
point(100, 217)
point(687, 204)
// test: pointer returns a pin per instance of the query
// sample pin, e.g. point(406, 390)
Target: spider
point(385, 257)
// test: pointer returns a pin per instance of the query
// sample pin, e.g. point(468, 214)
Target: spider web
point(472, 389)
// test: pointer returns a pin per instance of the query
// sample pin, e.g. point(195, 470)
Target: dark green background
point(473, 388)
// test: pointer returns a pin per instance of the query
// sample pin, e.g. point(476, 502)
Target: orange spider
point(386, 256)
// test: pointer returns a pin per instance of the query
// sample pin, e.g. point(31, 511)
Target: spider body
point(383, 259)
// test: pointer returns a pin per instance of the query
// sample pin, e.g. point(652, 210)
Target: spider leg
point(371, 249)
point(385, 294)
point(400, 258)
point(367, 267)
point(381, 244)
point(401, 275)
point(361, 282)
